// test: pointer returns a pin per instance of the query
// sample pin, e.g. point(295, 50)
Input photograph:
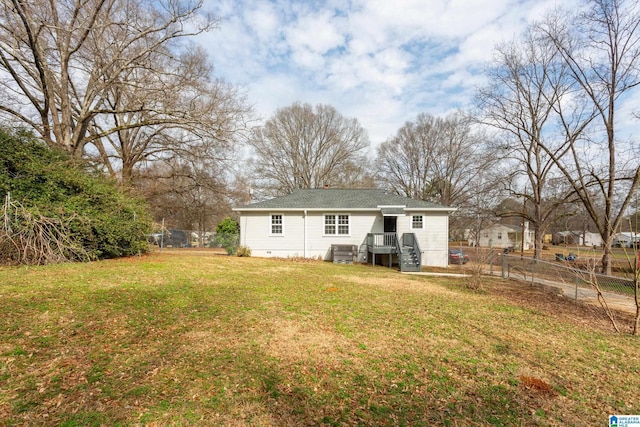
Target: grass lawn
point(202, 339)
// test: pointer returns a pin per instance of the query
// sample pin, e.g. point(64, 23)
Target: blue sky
point(380, 61)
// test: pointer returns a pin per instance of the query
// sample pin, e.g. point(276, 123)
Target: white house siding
point(360, 224)
point(255, 233)
point(592, 239)
point(433, 238)
point(502, 236)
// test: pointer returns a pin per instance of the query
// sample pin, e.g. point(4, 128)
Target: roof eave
point(434, 209)
point(276, 209)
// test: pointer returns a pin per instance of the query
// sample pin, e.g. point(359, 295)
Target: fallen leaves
point(537, 385)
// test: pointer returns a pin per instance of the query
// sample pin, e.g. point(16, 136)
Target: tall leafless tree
point(193, 112)
point(433, 159)
point(187, 193)
point(309, 147)
point(60, 62)
point(601, 50)
point(527, 79)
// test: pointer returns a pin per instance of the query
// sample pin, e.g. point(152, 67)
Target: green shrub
point(228, 235)
point(99, 218)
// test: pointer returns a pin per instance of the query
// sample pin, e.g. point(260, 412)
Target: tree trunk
point(606, 259)
point(636, 320)
point(537, 253)
point(607, 238)
point(636, 293)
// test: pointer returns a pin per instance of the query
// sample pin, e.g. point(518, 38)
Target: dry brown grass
point(191, 339)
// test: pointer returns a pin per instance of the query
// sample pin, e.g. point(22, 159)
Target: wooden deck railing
point(409, 239)
point(382, 240)
point(389, 243)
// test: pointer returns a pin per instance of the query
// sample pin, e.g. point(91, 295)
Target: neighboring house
point(505, 236)
point(308, 223)
point(579, 238)
point(626, 239)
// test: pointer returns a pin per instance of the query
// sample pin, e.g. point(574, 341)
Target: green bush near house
point(228, 235)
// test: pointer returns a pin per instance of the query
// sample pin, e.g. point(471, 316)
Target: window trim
point(271, 224)
point(336, 224)
point(421, 222)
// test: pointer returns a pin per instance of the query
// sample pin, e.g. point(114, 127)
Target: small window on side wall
point(417, 222)
point(277, 225)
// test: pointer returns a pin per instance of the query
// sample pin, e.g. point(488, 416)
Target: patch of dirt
point(580, 314)
point(399, 283)
point(288, 341)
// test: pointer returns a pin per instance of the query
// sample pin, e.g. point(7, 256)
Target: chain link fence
point(176, 238)
point(577, 279)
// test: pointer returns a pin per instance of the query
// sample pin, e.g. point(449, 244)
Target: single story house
point(626, 239)
point(579, 238)
point(311, 223)
point(505, 236)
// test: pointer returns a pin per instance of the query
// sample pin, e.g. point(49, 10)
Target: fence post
point(504, 265)
point(162, 236)
point(491, 261)
point(575, 279)
point(533, 272)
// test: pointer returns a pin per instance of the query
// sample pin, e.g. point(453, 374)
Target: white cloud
point(317, 33)
point(382, 62)
point(263, 21)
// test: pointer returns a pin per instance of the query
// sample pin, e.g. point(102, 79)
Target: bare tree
point(601, 50)
point(433, 159)
point(187, 193)
point(309, 147)
point(192, 112)
point(61, 60)
point(527, 80)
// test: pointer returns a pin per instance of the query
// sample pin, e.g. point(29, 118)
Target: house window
point(499, 235)
point(417, 222)
point(343, 224)
point(277, 225)
point(336, 224)
point(329, 224)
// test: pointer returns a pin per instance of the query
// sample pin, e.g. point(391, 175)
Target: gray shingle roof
point(347, 199)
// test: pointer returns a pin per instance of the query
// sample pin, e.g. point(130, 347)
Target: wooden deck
point(407, 249)
point(382, 243)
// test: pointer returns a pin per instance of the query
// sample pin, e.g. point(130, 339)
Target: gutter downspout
point(304, 240)
point(244, 235)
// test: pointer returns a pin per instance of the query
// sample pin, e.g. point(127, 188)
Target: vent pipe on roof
point(326, 186)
